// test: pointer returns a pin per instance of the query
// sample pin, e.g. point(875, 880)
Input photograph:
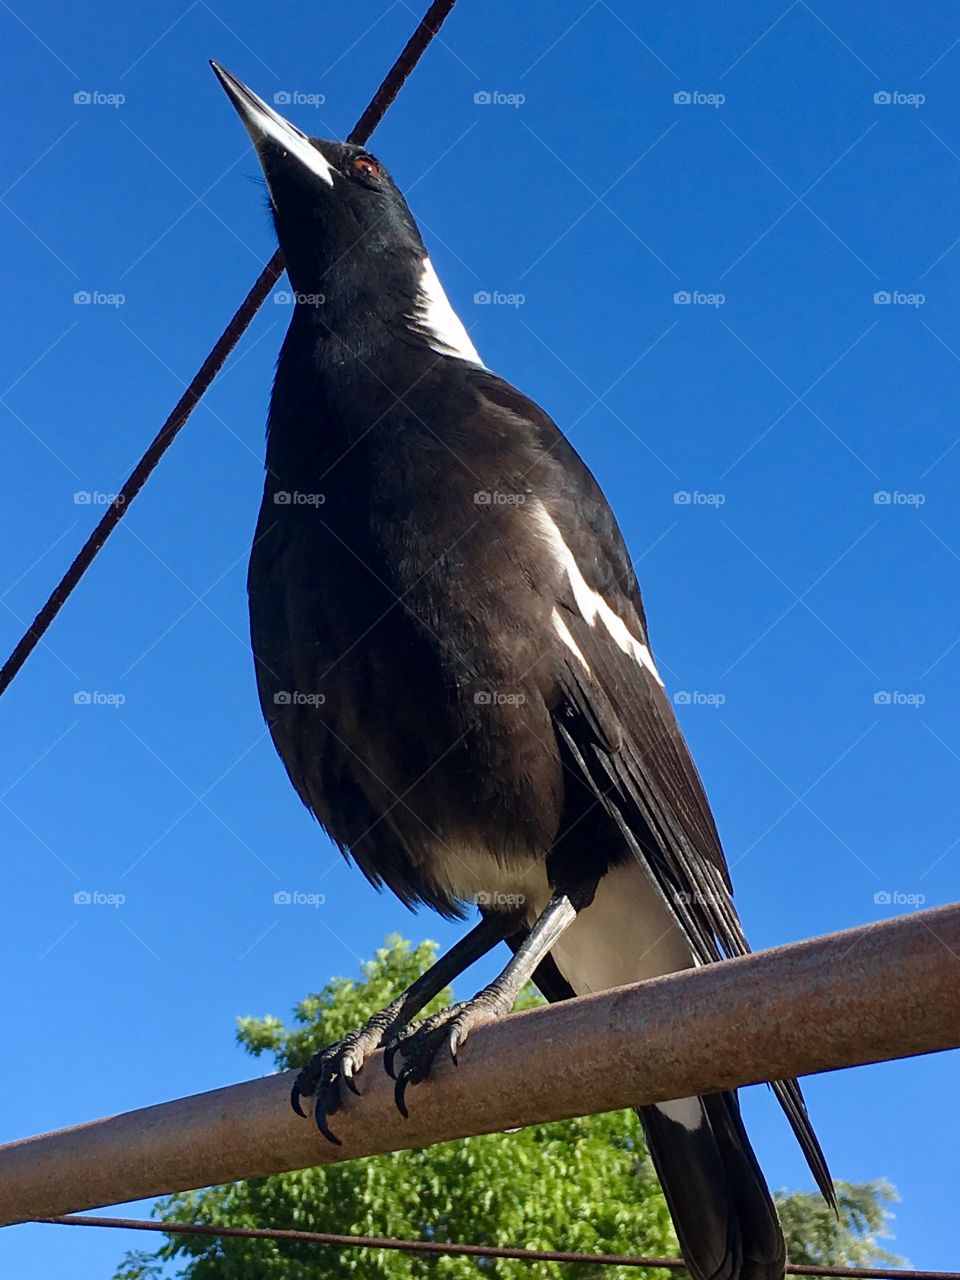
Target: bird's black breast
point(401, 636)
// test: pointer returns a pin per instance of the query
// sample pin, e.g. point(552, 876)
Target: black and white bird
point(453, 662)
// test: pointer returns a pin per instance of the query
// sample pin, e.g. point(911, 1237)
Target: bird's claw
point(418, 1044)
point(337, 1065)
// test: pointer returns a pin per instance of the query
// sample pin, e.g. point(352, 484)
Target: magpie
point(453, 661)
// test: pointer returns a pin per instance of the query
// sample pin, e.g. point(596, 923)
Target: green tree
point(585, 1185)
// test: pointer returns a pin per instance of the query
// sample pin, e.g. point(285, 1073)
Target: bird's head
point(343, 225)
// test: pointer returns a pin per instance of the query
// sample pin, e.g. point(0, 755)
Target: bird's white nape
point(591, 604)
point(436, 320)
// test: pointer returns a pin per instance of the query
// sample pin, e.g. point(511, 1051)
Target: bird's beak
point(271, 134)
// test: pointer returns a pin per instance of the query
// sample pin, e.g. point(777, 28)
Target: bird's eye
point(366, 167)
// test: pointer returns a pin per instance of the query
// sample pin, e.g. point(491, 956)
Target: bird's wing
point(615, 720)
point(612, 712)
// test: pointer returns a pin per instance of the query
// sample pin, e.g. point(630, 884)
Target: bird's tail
point(721, 1207)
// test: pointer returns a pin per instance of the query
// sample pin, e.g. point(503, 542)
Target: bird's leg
point(418, 1045)
point(339, 1063)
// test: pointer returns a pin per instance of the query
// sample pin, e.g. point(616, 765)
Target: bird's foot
point(419, 1043)
point(324, 1076)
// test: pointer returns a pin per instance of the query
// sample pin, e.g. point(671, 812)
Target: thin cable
point(393, 82)
point(468, 1250)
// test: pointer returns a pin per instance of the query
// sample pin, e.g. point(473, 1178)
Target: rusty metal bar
point(869, 994)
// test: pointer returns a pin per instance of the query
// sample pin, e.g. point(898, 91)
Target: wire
point(414, 49)
point(468, 1250)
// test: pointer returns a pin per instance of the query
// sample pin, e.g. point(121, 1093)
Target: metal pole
point(869, 994)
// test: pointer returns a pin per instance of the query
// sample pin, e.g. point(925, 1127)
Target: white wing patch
point(434, 317)
point(563, 631)
point(590, 603)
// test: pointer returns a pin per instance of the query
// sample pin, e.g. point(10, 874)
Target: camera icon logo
point(682, 98)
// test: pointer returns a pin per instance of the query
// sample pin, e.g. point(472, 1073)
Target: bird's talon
point(327, 1131)
point(398, 1094)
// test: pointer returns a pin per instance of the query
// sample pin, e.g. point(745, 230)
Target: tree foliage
point(585, 1185)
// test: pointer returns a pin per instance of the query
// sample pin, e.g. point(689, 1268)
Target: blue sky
point(809, 628)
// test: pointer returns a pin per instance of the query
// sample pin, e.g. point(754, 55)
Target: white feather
point(591, 604)
point(684, 1111)
point(563, 631)
point(435, 318)
point(627, 934)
